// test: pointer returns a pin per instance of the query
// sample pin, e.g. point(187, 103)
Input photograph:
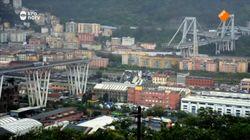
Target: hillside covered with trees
point(158, 13)
point(7, 14)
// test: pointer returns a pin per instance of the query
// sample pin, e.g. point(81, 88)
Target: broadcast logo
point(23, 15)
point(29, 15)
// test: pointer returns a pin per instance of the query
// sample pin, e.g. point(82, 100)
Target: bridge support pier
point(38, 86)
point(226, 44)
point(77, 78)
point(189, 24)
point(185, 52)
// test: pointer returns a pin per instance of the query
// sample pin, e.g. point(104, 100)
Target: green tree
point(155, 111)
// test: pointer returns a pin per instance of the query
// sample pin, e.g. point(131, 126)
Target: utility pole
point(139, 136)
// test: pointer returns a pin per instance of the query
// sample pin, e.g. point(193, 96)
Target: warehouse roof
point(113, 86)
point(226, 94)
point(199, 77)
point(53, 112)
point(245, 80)
point(97, 123)
point(85, 130)
point(177, 89)
point(25, 109)
point(217, 100)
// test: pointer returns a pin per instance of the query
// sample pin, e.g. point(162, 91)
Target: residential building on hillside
point(115, 41)
point(128, 41)
point(233, 66)
point(181, 79)
point(148, 46)
point(17, 4)
point(71, 27)
point(164, 79)
point(92, 28)
point(151, 60)
point(86, 38)
point(200, 82)
point(98, 62)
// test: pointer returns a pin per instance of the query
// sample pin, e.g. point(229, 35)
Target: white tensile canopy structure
point(22, 126)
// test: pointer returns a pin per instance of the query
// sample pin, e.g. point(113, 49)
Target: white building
point(17, 4)
point(128, 41)
point(3, 37)
point(5, 58)
point(71, 27)
point(96, 28)
point(235, 106)
point(6, 1)
point(18, 36)
point(107, 30)
point(44, 30)
point(181, 78)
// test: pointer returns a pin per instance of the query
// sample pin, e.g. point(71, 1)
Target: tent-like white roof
point(6, 120)
point(22, 126)
point(97, 123)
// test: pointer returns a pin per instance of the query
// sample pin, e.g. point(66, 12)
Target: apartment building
point(200, 82)
point(71, 27)
point(92, 28)
point(98, 62)
point(150, 60)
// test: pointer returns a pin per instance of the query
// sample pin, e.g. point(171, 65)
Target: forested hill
point(7, 14)
point(156, 13)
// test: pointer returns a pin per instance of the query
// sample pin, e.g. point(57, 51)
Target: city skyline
point(91, 79)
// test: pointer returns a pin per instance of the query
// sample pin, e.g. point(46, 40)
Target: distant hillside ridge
point(156, 13)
